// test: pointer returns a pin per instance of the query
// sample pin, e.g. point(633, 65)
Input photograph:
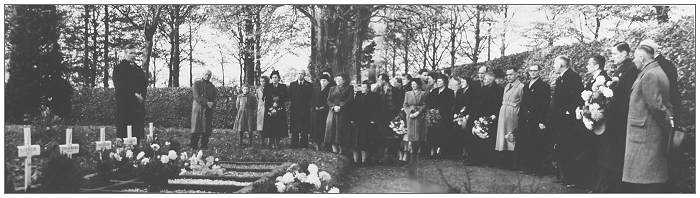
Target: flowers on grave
point(197, 165)
point(483, 125)
point(596, 101)
point(305, 178)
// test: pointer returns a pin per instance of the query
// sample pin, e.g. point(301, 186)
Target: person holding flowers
point(276, 100)
point(489, 103)
point(611, 146)
point(464, 116)
point(440, 102)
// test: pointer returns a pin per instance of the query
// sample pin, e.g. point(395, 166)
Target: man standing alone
point(204, 94)
point(130, 92)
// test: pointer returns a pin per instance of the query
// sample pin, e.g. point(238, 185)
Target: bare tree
point(147, 18)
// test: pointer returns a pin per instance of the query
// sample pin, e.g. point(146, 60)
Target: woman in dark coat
point(320, 110)
point(465, 99)
point(489, 103)
point(442, 99)
point(276, 100)
point(363, 117)
point(337, 122)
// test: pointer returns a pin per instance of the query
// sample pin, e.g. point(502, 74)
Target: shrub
point(61, 175)
point(165, 107)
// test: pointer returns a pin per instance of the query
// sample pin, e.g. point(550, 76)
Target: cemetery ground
point(433, 176)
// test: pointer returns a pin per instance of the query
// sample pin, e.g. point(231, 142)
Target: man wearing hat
point(645, 167)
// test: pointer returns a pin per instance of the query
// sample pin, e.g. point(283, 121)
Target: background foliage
point(165, 107)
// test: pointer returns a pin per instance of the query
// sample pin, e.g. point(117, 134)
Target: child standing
point(246, 105)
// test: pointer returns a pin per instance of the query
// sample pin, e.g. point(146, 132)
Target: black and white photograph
point(496, 98)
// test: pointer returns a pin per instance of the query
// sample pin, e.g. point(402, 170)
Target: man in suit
point(566, 129)
point(649, 123)
point(300, 110)
point(611, 145)
point(531, 140)
point(130, 92)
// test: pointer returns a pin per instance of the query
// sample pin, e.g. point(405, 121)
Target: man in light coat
point(203, 94)
point(645, 167)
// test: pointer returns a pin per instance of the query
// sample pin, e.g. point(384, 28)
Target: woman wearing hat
point(276, 98)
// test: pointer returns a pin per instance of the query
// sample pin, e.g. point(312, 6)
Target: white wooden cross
point(150, 129)
point(69, 148)
point(129, 140)
point(28, 151)
point(102, 144)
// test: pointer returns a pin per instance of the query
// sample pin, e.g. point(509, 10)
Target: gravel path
point(394, 179)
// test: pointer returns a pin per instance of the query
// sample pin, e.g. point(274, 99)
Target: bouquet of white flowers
point(482, 126)
point(596, 100)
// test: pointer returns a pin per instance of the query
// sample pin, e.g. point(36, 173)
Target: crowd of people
point(492, 118)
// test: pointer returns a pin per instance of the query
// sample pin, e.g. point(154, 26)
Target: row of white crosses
point(28, 150)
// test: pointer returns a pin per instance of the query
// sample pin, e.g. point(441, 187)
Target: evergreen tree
point(36, 70)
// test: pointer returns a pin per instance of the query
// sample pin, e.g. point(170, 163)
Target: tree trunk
point(489, 44)
point(393, 62)
point(335, 40)
point(174, 80)
point(258, 56)
point(150, 27)
point(405, 50)
point(662, 14)
point(505, 30)
point(86, 44)
point(95, 52)
point(477, 36)
point(249, 51)
point(105, 69)
point(190, 43)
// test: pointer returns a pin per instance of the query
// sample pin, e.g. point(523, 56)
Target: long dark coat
point(610, 147)
point(466, 99)
point(320, 114)
point(337, 122)
point(390, 103)
point(300, 109)
point(203, 91)
point(531, 141)
point(363, 113)
point(489, 103)
point(438, 136)
point(672, 74)
point(276, 124)
point(648, 128)
point(128, 79)
point(568, 131)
